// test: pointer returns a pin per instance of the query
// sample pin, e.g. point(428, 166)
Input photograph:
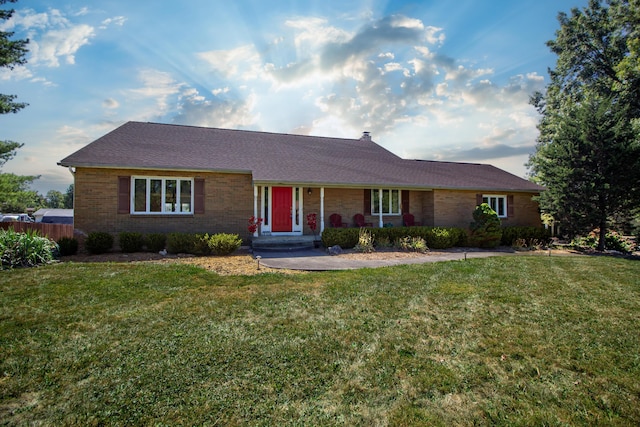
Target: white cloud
point(118, 21)
point(56, 44)
point(435, 35)
point(243, 62)
point(157, 86)
point(194, 110)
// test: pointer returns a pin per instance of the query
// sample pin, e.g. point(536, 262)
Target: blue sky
point(436, 80)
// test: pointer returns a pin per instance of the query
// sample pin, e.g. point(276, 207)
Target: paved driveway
point(319, 260)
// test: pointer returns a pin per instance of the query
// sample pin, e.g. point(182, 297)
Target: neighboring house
point(149, 177)
point(54, 216)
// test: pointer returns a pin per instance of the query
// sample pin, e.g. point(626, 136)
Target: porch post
point(321, 209)
point(255, 207)
point(380, 224)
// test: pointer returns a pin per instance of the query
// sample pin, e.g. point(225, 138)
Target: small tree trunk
point(603, 236)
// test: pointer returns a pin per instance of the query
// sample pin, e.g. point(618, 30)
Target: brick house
point(150, 177)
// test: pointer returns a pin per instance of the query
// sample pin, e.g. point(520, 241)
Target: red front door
point(281, 209)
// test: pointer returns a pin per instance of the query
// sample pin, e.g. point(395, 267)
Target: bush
point(224, 244)
point(131, 242)
point(181, 243)
point(24, 249)
point(201, 244)
point(98, 242)
point(346, 238)
point(613, 241)
point(155, 242)
point(485, 229)
point(68, 246)
point(530, 234)
point(435, 237)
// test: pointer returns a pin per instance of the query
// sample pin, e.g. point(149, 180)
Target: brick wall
point(455, 209)
point(228, 204)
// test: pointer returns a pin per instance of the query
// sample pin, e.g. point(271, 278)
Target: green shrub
point(201, 244)
point(365, 242)
point(485, 229)
point(382, 242)
point(181, 243)
point(25, 249)
point(155, 242)
point(435, 237)
point(68, 246)
point(346, 238)
point(530, 234)
point(131, 241)
point(224, 244)
point(98, 242)
point(613, 241)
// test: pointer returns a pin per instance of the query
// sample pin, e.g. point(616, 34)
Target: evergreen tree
point(588, 151)
point(15, 195)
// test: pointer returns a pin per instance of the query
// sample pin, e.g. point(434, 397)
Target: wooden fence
point(53, 231)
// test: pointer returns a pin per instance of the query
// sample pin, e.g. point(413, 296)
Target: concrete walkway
point(320, 260)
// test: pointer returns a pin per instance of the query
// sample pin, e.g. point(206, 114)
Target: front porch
point(283, 209)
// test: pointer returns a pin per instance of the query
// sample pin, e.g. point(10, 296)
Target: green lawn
point(526, 340)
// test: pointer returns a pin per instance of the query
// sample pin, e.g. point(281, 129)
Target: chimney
point(366, 136)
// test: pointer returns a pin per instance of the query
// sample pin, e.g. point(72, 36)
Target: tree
point(68, 197)
point(54, 199)
point(588, 150)
point(15, 195)
point(12, 53)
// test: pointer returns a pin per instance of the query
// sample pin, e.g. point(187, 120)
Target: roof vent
point(366, 136)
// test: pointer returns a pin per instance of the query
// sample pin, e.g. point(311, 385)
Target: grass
point(498, 341)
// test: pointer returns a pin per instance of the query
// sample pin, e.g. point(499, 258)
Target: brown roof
point(282, 158)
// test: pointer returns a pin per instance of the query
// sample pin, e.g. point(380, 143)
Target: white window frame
point(163, 203)
point(493, 200)
point(386, 210)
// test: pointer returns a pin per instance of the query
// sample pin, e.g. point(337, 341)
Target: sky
point(435, 80)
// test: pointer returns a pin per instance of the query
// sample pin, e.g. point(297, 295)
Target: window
point(390, 202)
point(497, 203)
point(162, 195)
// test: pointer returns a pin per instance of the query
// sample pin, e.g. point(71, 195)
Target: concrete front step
point(282, 243)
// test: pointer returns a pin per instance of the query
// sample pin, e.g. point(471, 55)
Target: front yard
point(525, 340)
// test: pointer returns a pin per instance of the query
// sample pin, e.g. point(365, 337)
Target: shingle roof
point(282, 158)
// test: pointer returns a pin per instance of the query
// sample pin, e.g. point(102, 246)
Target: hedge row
point(436, 237)
point(189, 243)
point(511, 234)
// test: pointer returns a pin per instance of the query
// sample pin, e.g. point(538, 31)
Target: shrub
point(181, 243)
point(24, 249)
point(131, 242)
point(613, 241)
point(346, 238)
point(435, 237)
point(365, 241)
point(383, 242)
point(98, 242)
point(530, 234)
point(201, 244)
point(224, 244)
point(485, 229)
point(415, 244)
point(68, 246)
point(155, 242)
